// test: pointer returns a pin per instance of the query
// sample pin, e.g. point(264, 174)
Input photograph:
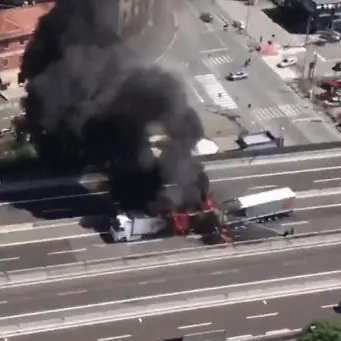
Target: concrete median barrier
point(169, 258)
point(167, 303)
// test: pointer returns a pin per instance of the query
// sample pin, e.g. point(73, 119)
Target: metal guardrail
point(138, 262)
point(235, 154)
point(161, 304)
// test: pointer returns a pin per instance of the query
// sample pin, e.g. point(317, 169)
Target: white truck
point(134, 226)
point(264, 205)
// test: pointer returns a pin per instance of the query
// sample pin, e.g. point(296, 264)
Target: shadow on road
point(48, 204)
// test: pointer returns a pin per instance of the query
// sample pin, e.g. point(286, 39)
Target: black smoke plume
point(87, 99)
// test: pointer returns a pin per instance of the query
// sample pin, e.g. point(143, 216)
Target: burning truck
point(169, 214)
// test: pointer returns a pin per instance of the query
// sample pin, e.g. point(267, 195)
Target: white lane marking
point(326, 180)
point(31, 226)
point(322, 58)
point(188, 292)
point(9, 259)
point(69, 293)
point(223, 272)
point(170, 45)
point(289, 263)
point(263, 187)
point(110, 338)
point(205, 324)
point(214, 50)
point(265, 175)
point(251, 317)
point(265, 302)
point(154, 281)
point(278, 331)
point(100, 245)
point(57, 210)
point(205, 333)
point(239, 337)
point(3, 302)
point(146, 241)
point(65, 252)
point(195, 91)
point(53, 239)
point(328, 306)
point(311, 208)
point(61, 197)
point(293, 223)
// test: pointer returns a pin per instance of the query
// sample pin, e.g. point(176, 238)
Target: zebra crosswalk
point(216, 60)
point(216, 91)
point(280, 111)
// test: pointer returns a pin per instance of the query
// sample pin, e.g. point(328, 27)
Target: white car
point(289, 61)
point(237, 75)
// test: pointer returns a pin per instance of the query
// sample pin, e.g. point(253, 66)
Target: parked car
point(238, 75)
point(288, 61)
point(330, 36)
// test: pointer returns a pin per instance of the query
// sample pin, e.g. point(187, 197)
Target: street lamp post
point(248, 14)
point(306, 41)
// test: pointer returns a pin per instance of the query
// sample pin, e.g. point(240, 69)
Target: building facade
point(17, 25)
point(16, 28)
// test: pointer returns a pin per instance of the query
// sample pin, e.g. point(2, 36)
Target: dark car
point(206, 17)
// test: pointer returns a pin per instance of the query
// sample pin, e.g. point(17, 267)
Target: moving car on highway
point(288, 61)
point(206, 17)
point(238, 75)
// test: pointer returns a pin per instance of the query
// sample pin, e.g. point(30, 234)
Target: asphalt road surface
point(60, 242)
point(240, 319)
point(226, 182)
point(119, 286)
point(204, 55)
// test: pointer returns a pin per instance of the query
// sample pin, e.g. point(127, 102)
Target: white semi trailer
point(264, 205)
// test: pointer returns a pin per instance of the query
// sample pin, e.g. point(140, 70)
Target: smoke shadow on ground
point(48, 204)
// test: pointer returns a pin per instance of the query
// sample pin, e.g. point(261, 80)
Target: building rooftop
point(21, 21)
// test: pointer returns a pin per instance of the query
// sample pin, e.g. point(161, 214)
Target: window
point(5, 62)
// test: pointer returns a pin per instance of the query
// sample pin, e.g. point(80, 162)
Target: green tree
point(322, 331)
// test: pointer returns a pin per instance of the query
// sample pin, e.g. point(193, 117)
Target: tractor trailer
point(264, 205)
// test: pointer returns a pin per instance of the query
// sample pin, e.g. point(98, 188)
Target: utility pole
point(248, 14)
point(312, 69)
point(306, 41)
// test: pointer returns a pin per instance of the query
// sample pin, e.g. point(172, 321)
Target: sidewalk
point(260, 25)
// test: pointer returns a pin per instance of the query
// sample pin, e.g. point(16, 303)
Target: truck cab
point(128, 227)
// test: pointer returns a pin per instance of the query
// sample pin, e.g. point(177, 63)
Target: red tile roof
point(21, 21)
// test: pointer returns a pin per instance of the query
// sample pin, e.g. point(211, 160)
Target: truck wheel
point(123, 240)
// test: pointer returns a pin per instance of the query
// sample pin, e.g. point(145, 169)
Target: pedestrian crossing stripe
point(213, 61)
point(280, 111)
point(216, 91)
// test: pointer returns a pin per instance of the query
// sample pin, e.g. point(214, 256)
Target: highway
point(240, 319)
point(61, 241)
point(227, 181)
point(204, 55)
point(119, 286)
